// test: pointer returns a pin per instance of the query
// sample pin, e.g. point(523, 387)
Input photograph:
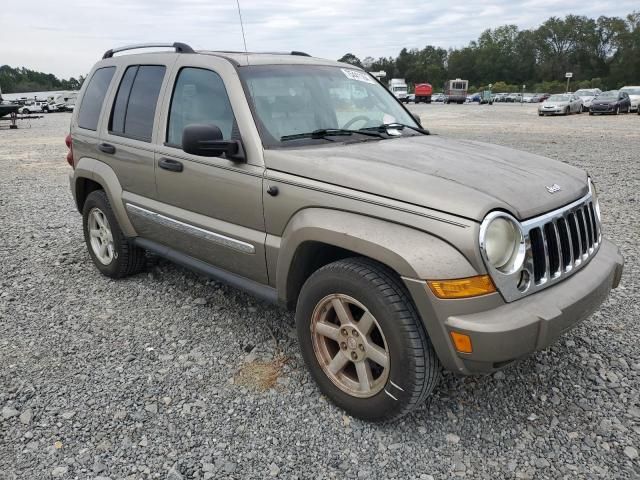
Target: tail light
point(69, 144)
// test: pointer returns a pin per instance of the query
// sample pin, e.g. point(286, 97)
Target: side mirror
point(206, 141)
point(416, 117)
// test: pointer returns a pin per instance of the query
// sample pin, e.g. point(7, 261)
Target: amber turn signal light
point(462, 342)
point(462, 287)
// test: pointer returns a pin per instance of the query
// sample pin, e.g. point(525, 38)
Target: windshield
point(559, 98)
point(631, 90)
point(295, 99)
point(586, 93)
point(609, 94)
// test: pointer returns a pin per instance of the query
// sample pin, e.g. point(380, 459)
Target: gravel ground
point(168, 375)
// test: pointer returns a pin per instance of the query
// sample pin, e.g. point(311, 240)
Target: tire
point(617, 111)
point(413, 368)
point(121, 258)
point(26, 111)
point(566, 111)
point(591, 113)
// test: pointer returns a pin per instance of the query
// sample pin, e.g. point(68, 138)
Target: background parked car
point(560, 104)
point(500, 97)
point(411, 98)
point(634, 96)
point(439, 97)
point(613, 101)
point(514, 98)
point(528, 98)
point(32, 106)
point(473, 98)
point(587, 95)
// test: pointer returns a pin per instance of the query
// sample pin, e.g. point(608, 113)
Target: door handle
point(171, 165)
point(107, 148)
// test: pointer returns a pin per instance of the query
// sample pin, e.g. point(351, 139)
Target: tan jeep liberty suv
point(305, 182)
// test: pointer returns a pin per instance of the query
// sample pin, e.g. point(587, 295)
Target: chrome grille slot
point(565, 244)
point(537, 249)
point(557, 244)
point(553, 250)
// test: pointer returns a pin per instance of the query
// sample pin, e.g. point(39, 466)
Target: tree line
point(19, 80)
point(601, 53)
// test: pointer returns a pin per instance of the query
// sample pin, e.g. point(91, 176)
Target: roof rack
point(240, 52)
point(180, 48)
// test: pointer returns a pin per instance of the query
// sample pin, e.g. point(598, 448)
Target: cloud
point(67, 37)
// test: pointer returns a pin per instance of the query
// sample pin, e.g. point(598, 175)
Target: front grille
point(561, 241)
point(557, 244)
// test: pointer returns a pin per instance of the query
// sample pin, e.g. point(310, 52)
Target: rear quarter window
point(91, 106)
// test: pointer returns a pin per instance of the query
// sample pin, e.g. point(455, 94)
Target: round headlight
point(503, 243)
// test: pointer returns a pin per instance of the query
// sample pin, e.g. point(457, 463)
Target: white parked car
point(587, 95)
point(634, 96)
point(561, 104)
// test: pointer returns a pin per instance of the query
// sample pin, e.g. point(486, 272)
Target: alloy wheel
point(350, 346)
point(101, 236)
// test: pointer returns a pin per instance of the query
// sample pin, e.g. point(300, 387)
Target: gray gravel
point(138, 378)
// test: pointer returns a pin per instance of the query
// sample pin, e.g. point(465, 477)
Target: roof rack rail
point(301, 54)
point(180, 48)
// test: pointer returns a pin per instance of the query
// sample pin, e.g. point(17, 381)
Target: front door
point(212, 205)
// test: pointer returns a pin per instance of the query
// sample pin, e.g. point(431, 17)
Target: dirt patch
point(259, 375)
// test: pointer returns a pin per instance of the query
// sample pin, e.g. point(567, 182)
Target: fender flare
point(103, 174)
point(411, 253)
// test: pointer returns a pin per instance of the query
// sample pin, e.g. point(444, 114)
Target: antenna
point(242, 28)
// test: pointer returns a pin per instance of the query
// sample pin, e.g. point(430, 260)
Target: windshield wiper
point(328, 132)
point(396, 126)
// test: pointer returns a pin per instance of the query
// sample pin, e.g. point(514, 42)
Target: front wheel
point(566, 111)
point(363, 341)
point(617, 111)
point(109, 249)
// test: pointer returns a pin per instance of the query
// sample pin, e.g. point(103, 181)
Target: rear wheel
point(109, 249)
point(363, 341)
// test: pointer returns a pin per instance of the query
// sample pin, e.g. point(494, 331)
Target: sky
point(66, 37)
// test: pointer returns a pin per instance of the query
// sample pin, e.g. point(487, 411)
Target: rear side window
point(199, 96)
point(134, 108)
point(93, 98)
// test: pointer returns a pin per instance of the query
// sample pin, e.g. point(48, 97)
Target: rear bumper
point(510, 331)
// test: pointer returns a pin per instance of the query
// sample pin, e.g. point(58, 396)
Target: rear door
point(127, 137)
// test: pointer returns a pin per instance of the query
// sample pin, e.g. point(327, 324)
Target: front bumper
point(603, 108)
point(503, 332)
point(552, 111)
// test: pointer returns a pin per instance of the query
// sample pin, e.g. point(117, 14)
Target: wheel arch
point(90, 175)
point(315, 237)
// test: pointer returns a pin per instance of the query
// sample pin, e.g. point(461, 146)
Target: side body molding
point(101, 173)
point(410, 252)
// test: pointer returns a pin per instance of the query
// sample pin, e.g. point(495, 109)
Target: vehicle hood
point(547, 103)
point(464, 178)
point(604, 101)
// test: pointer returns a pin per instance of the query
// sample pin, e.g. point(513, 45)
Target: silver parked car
point(561, 104)
point(587, 95)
